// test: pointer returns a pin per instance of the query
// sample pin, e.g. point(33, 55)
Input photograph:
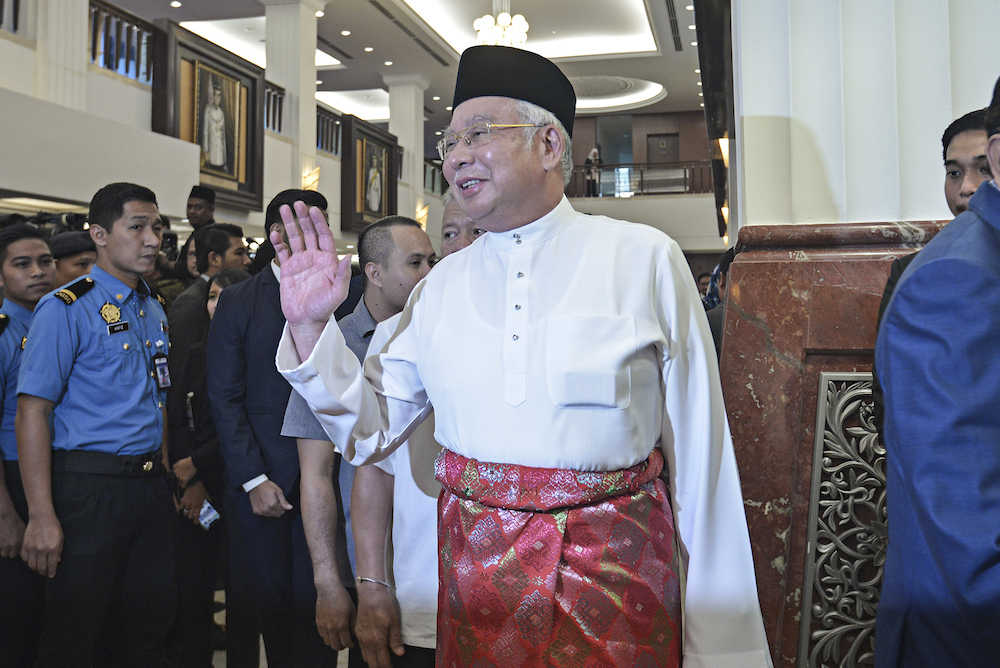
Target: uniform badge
point(111, 313)
point(24, 342)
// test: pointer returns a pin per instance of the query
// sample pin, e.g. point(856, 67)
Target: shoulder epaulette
point(4, 321)
point(74, 291)
point(159, 298)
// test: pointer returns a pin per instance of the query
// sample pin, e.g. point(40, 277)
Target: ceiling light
point(388, 63)
point(436, 98)
point(447, 108)
point(702, 104)
point(175, 4)
point(319, 82)
point(320, 14)
point(699, 83)
point(697, 71)
point(694, 43)
point(699, 94)
point(505, 30)
point(438, 133)
point(691, 27)
point(690, 8)
point(345, 33)
point(368, 49)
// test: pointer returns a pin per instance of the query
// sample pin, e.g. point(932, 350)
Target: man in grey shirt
point(394, 254)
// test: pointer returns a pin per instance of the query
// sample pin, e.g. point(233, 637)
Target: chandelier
point(505, 30)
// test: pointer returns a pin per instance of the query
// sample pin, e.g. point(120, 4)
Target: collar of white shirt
point(543, 229)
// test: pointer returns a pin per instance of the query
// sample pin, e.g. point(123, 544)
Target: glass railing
point(274, 105)
point(434, 178)
point(328, 133)
point(121, 42)
point(10, 15)
point(629, 180)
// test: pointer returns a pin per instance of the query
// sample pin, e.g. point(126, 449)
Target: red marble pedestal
point(803, 300)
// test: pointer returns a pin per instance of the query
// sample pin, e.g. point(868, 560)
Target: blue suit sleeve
point(227, 383)
point(939, 359)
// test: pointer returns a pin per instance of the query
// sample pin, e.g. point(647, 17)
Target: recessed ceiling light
point(388, 63)
point(692, 27)
point(438, 133)
point(699, 83)
point(345, 33)
point(694, 43)
point(701, 95)
point(320, 14)
point(447, 108)
point(319, 82)
point(697, 71)
point(690, 8)
point(368, 49)
point(175, 4)
point(702, 104)
point(436, 98)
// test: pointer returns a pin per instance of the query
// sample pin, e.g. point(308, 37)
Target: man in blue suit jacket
point(248, 399)
point(938, 355)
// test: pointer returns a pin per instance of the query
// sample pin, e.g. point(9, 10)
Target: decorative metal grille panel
point(847, 528)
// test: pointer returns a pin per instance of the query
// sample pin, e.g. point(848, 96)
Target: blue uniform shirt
point(18, 319)
point(98, 370)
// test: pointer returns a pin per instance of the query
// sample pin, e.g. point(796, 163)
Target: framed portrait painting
point(368, 187)
point(217, 121)
point(214, 99)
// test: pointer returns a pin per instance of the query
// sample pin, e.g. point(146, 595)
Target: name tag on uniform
point(118, 327)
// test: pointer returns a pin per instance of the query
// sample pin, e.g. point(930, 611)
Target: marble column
point(291, 64)
point(803, 302)
point(61, 55)
point(406, 121)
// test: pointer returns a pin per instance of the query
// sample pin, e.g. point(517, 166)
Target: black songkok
point(201, 192)
point(290, 197)
point(504, 71)
point(71, 243)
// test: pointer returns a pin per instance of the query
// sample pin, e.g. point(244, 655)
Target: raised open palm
point(314, 282)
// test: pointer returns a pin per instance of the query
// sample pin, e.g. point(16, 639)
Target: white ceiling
point(616, 47)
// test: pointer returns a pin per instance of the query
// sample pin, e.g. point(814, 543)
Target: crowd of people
point(516, 456)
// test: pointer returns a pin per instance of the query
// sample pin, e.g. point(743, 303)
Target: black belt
point(87, 461)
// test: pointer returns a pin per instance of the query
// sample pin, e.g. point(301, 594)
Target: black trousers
point(112, 600)
point(22, 593)
point(278, 557)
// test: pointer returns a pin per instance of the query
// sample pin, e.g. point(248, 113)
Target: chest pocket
point(129, 365)
point(587, 360)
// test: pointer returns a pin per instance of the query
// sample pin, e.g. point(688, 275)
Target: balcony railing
point(121, 42)
point(274, 104)
point(627, 180)
point(10, 15)
point(434, 178)
point(327, 131)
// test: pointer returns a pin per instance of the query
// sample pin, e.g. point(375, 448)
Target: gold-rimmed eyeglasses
point(477, 135)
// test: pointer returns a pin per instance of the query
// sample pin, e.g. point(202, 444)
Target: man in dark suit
point(938, 356)
point(248, 399)
point(219, 246)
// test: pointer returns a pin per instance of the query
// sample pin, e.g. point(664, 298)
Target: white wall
point(57, 152)
point(17, 64)
point(688, 219)
point(119, 99)
point(841, 104)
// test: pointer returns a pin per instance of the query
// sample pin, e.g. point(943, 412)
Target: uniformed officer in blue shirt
point(99, 503)
point(27, 273)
